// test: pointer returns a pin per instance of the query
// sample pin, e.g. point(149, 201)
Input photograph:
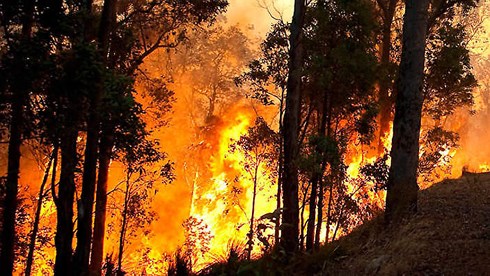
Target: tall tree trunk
point(84, 233)
point(106, 144)
point(85, 208)
point(252, 216)
point(105, 151)
point(313, 237)
point(318, 229)
point(385, 85)
point(319, 219)
point(64, 201)
point(402, 188)
point(124, 223)
point(310, 230)
point(8, 236)
point(278, 198)
point(35, 225)
point(329, 211)
point(7, 254)
point(290, 218)
point(279, 172)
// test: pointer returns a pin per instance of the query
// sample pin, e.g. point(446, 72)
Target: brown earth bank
point(450, 235)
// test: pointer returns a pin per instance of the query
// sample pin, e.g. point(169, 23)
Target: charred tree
point(290, 218)
point(402, 188)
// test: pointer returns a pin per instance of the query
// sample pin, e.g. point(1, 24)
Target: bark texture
point(401, 198)
point(290, 219)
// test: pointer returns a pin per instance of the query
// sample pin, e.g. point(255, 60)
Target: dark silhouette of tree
point(143, 175)
point(140, 33)
point(52, 165)
point(387, 11)
point(290, 218)
point(402, 188)
point(85, 204)
point(271, 68)
point(197, 240)
point(343, 69)
point(19, 90)
point(258, 146)
point(440, 12)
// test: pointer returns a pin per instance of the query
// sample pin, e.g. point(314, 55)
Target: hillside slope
point(450, 235)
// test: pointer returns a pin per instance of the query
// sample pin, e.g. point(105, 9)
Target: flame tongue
point(224, 200)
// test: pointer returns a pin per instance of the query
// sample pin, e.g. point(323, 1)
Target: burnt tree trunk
point(318, 229)
point(401, 198)
point(290, 218)
point(329, 211)
point(86, 202)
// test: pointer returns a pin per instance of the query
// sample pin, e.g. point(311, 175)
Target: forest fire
point(177, 139)
point(224, 201)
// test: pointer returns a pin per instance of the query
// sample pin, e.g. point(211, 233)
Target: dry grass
point(450, 235)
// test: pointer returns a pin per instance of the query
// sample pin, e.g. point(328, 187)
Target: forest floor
point(450, 235)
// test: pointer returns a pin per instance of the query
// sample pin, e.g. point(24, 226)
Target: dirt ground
point(450, 235)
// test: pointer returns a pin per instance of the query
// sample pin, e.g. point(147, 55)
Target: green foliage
point(448, 87)
point(207, 62)
point(366, 124)
point(269, 68)
point(449, 80)
point(260, 147)
point(340, 66)
point(377, 172)
point(319, 147)
point(150, 25)
point(435, 158)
